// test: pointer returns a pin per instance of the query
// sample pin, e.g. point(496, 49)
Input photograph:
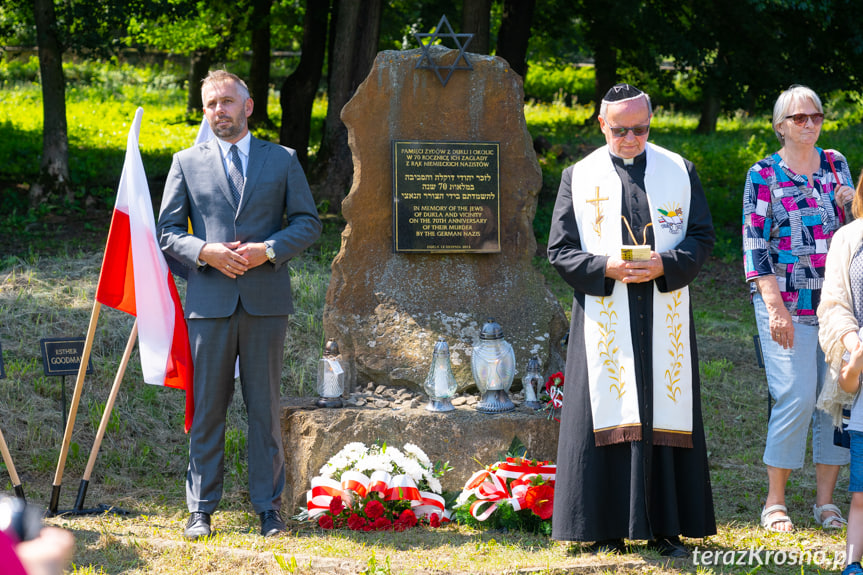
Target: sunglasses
point(800, 119)
point(620, 132)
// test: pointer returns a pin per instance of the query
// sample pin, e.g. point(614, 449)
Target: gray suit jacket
point(276, 193)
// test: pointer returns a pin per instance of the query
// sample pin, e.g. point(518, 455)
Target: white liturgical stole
point(596, 198)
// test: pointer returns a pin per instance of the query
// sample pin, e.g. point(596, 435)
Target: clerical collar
point(638, 160)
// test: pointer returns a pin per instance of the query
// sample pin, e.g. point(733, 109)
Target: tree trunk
point(259, 75)
point(711, 99)
point(605, 63)
point(710, 108)
point(298, 91)
point(54, 168)
point(199, 66)
point(476, 20)
point(514, 33)
point(352, 52)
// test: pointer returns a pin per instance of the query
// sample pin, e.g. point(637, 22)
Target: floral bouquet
point(377, 488)
point(516, 493)
point(553, 395)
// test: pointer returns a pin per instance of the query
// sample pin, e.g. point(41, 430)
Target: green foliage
point(564, 130)
point(95, 411)
point(287, 565)
point(374, 568)
point(24, 70)
point(715, 368)
point(199, 27)
point(559, 83)
point(505, 518)
point(516, 449)
point(669, 89)
point(101, 100)
point(235, 452)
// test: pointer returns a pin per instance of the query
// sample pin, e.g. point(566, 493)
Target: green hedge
point(566, 84)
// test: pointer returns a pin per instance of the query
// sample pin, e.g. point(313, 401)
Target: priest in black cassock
point(630, 231)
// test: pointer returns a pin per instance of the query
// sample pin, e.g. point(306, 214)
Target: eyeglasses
point(800, 119)
point(620, 132)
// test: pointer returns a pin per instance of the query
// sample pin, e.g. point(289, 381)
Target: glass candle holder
point(440, 384)
point(531, 382)
point(493, 367)
point(331, 377)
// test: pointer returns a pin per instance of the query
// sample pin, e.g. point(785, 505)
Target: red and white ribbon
point(400, 487)
point(556, 395)
point(489, 486)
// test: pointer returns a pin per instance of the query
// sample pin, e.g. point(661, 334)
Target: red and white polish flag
point(135, 279)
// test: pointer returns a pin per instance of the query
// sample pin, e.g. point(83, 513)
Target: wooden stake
point(7, 459)
point(112, 397)
point(73, 409)
point(106, 417)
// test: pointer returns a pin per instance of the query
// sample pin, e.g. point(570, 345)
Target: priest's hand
point(635, 272)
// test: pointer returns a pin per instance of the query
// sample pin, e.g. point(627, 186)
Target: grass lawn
point(142, 461)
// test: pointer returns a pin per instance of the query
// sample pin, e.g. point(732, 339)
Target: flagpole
point(10, 466)
point(73, 409)
point(106, 417)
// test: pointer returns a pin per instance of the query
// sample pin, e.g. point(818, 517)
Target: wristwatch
point(271, 254)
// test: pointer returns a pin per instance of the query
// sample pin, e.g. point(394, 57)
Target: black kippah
point(621, 93)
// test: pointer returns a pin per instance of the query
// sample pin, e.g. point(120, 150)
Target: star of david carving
point(428, 63)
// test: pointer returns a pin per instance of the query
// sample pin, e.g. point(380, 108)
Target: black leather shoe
point(198, 526)
point(669, 547)
point(608, 546)
point(271, 523)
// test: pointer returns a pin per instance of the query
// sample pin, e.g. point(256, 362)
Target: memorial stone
point(387, 307)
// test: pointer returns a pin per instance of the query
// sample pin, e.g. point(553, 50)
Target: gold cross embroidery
point(598, 210)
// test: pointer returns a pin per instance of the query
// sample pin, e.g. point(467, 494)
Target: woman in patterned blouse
point(793, 203)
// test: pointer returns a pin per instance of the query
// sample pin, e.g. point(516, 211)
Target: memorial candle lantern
point(331, 377)
point(440, 385)
point(531, 382)
point(493, 366)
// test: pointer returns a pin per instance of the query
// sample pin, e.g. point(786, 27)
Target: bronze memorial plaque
point(446, 197)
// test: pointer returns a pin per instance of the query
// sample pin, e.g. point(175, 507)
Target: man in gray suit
point(237, 192)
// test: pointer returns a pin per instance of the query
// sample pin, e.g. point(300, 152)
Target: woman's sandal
point(829, 521)
point(853, 569)
point(774, 514)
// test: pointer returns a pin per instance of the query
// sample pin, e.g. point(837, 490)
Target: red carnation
point(408, 518)
point(434, 520)
point(540, 500)
point(374, 509)
point(556, 380)
point(325, 522)
point(382, 524)
point(336, 505)
point(356, 522)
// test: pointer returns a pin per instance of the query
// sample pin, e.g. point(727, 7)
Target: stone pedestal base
point(313, 435)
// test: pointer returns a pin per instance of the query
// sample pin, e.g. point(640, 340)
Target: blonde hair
point(857, 202)
point(223, 77)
